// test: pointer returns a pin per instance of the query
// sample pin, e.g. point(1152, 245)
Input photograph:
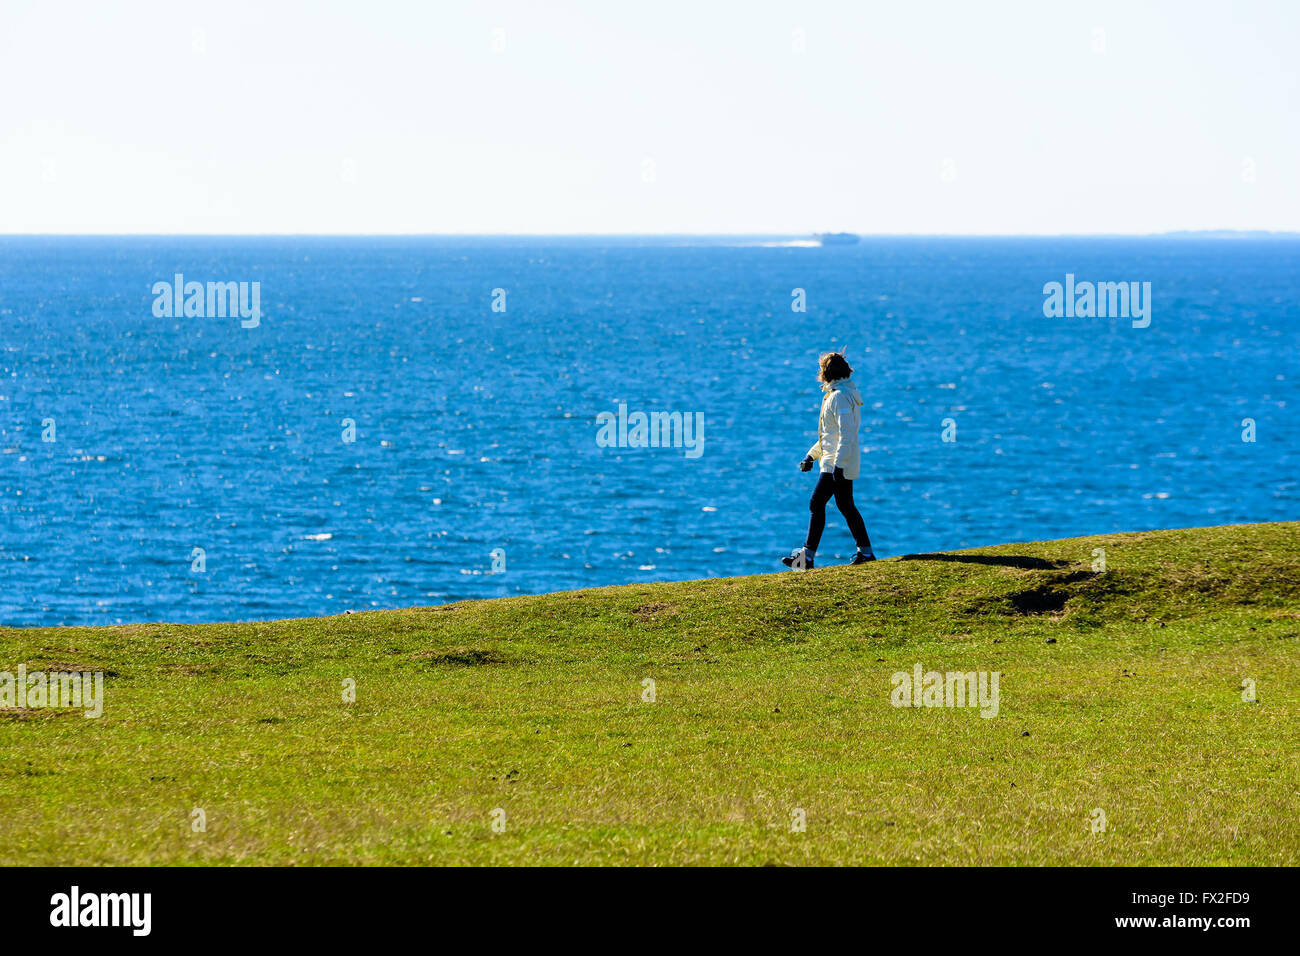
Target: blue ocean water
point(475, 430)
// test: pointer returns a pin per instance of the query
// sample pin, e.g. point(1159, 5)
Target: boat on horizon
point(836, 238)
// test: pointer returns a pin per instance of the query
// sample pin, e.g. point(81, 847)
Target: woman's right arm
point(815, 451)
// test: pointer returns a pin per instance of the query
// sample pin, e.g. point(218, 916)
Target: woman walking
point(837, 450)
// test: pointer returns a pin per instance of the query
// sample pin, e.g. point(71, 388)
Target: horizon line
point(1202, 233)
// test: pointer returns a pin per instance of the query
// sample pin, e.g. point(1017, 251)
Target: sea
point(409, 421)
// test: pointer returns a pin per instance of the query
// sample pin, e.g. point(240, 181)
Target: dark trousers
point(841, 489)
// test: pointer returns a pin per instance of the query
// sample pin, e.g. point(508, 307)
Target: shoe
point(798, 560)
point(862, 557)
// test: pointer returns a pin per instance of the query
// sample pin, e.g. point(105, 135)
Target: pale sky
point(888, 117)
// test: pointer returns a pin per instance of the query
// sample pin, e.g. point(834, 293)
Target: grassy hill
point(1120, 691)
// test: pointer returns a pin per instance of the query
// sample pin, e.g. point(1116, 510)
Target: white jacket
point(837, 429)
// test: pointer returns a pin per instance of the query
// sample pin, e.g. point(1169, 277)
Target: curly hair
point(834, 366)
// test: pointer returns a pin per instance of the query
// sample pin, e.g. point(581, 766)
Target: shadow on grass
point(1022, 561)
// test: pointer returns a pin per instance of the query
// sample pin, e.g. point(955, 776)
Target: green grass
point(1119, 690)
